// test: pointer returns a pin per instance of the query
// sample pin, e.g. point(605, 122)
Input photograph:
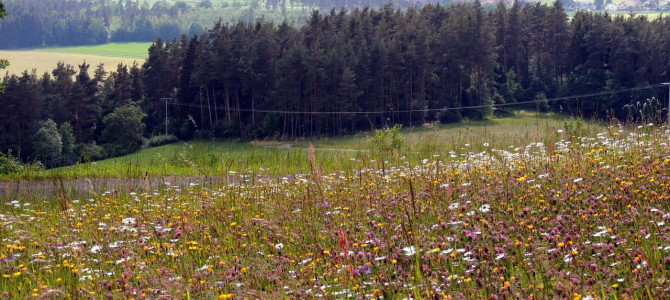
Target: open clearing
point(45, 59)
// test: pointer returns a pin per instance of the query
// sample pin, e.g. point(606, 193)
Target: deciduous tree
point(124, 130)
point(47, 144)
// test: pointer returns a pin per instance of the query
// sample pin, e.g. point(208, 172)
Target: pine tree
point(85, 105)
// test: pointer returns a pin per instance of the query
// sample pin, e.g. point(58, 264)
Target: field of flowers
point(579, 218)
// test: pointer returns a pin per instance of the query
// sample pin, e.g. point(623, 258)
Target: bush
point(226, 129)
point(269, 126)
point(541, 102)
point(187, 129)
point(575, 127)
point(387, 140)
point(503, 113)
point(9, 164)
point(160, 140)
point(90, 152)
point(450, 116)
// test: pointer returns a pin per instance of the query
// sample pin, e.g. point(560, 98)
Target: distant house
point(630, 5)
point(611, 7)
point(495, 2)
point(651, 5)
point(508, 2)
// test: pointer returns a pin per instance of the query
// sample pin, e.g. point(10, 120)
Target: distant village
point(600, 5)
point(626, 5)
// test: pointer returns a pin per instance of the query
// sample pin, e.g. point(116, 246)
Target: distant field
point(651, 15)
point(124, 50)
point(45, 59)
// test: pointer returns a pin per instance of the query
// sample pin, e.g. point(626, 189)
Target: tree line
point(38, 23)
point(344, 72)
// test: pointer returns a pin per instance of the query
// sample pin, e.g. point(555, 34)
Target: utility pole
point(668, 114)
point(166, 113)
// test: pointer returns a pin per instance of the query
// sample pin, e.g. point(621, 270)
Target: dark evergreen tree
point(85, 105)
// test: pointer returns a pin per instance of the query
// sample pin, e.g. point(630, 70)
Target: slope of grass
point(279, 158)
point(523, 128)
point(200, 159)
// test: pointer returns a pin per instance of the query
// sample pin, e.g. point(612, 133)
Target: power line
point(575, 97)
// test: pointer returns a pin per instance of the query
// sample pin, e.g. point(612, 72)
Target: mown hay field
point(45, 59)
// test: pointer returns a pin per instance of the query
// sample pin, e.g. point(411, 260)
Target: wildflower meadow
point(575, 217)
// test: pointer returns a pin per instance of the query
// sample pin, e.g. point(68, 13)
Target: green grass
point(526, 127)
point(347, 153)
point(201, 159)
point(123, 50)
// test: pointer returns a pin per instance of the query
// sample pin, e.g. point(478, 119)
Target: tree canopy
point(124, 130)
point(3, 12)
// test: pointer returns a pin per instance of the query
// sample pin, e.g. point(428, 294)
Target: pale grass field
point(46, 61)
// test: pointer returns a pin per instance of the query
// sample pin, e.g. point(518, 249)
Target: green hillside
point(276, 158)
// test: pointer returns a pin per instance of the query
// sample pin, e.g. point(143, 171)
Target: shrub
point(450, 116)
point(90, 152)
point(226, 129)
point(503, 113)
point(387, 140)
point(9, 164)
point(541, 102)
point(159, 140)
point(575, 127)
